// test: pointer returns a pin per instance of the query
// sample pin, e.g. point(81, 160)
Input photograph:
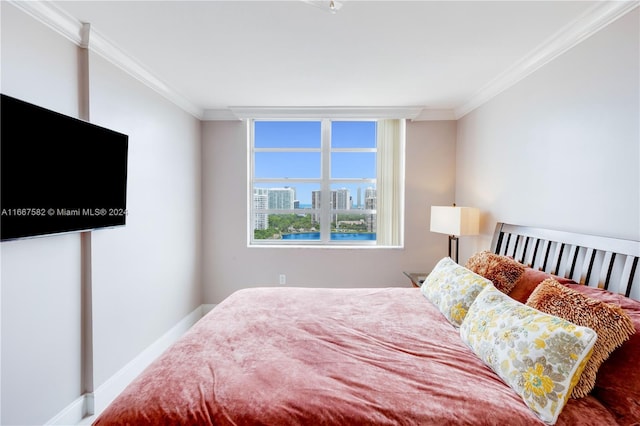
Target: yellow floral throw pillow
point(540, 356)
point(453, 288)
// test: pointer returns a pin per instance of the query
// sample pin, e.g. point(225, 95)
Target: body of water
point(335, 236)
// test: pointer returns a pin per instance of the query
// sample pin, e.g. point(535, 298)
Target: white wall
point(146, 276)
point(230, 265)
point(561, 149)
point(40, 278)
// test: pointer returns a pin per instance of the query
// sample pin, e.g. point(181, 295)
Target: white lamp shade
point(455, 220)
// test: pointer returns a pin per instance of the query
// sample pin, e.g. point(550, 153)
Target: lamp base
point(451, 239)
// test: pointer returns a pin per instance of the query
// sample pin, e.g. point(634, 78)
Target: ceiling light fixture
point(330, 6)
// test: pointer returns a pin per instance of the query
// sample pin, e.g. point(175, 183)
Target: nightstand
point(417, 278)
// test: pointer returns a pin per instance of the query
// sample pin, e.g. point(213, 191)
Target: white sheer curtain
point(390, 182)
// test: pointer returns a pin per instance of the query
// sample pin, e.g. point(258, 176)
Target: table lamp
point(455, 221)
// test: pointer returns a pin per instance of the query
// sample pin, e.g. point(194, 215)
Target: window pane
point(353, 165)
point(353, 134)
point(287, 165)
point(287, 134)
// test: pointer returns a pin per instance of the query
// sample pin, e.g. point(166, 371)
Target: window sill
point(324, 246)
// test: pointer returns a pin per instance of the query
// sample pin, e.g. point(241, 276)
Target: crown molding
point(223, 114)
point(590, 22)
point(53, 17)
point(72, 29)
point(412, 113)
point(117, 57)
point(435, 115)
point(243, 112)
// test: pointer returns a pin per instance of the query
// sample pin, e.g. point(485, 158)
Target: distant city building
point(271, 198)
point(260, 202)
point(285, 199)
point(315, 199)
point(370, 204)
point(369, 193)
point(341, 199)
point(281, 198)
point(315, 204)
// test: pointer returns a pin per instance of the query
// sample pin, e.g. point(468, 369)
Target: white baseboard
point(207, 308)
point(74, 413)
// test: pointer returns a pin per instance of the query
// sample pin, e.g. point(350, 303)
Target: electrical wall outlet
point(283, 279)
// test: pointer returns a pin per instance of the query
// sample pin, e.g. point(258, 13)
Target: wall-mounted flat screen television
point(58, 174)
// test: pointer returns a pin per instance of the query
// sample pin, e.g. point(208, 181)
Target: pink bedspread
point(294, 356)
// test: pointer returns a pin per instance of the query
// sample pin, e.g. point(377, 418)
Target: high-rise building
point(369, 193)
point(273, 199)
point(315, 199)
point(260, 202)
point(315, 204)
point(282, 198)
point(341, 199)
point(370, 203)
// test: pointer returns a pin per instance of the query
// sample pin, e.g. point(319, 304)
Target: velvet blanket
point(300, 356)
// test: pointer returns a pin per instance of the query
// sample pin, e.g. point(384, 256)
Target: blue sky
point(307, 134)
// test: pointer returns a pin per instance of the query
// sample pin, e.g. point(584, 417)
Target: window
point(326, 182)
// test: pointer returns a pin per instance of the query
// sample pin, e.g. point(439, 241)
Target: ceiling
point(442, 57)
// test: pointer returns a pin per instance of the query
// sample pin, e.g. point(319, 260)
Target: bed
point(392, 356)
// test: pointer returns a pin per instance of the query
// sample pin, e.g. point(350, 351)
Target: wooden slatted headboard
point(595, 261)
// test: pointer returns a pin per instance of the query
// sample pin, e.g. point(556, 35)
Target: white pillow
point(540, 356)
point(452, 288)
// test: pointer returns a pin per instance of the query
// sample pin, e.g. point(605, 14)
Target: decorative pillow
point(611, 323)
point(452, 288)
point(538, 355)
point(529, 281)
point(502, 271)
point(618, 381)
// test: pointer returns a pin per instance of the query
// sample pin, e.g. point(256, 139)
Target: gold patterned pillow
point(612, 324)
point(540, 356)
point(452, 288)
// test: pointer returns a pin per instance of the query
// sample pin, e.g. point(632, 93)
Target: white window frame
point(325, 182)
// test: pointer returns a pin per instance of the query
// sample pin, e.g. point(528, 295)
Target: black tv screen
point(59, 174)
